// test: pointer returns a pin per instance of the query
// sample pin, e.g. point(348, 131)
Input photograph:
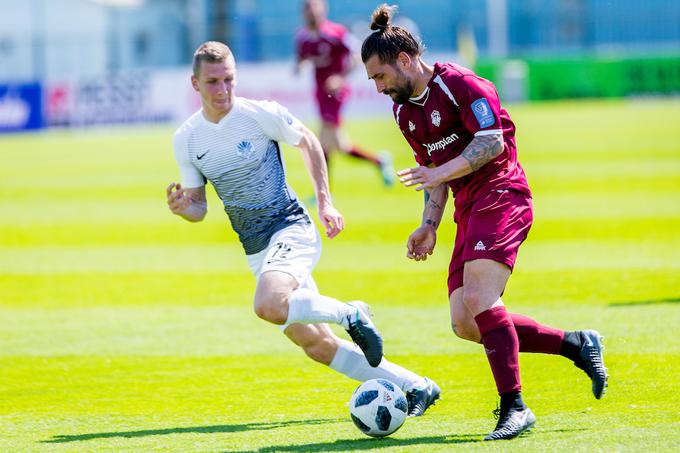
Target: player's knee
point(269, 314)
point(270, 310)
point(465, 331)
point(321, 350)
point(464, 326)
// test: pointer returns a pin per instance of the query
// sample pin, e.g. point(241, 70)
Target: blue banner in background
point(21, 107)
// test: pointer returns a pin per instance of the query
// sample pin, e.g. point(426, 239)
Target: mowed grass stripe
point(549, 255)
point(133, 402)
point(187, 331)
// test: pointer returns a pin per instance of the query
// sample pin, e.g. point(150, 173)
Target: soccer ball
point(378, 407)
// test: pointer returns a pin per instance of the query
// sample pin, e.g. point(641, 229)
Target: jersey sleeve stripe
point(438, 80)
point(489, 132)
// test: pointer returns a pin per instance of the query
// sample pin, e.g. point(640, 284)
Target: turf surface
point(123, 328)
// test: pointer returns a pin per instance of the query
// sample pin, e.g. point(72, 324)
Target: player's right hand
point(332, 220)
point(421, 243)
point(177, 199)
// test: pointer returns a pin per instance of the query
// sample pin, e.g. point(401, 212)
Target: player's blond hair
point(211, 52)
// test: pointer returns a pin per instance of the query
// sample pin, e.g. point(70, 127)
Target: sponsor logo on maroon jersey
point(441, 144)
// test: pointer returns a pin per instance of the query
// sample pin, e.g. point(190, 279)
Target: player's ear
point(194, 82)
point(404, 60)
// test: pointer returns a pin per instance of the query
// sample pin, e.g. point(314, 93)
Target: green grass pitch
point(123, 328)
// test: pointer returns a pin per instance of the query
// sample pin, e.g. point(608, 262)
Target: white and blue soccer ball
point(378, 407)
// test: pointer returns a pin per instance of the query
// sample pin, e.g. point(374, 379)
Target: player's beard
point(403, 88)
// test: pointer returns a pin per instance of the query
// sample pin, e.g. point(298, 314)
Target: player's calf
point(316, 340)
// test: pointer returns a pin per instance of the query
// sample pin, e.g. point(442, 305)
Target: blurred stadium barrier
point(545, 78)
point(86, 62)
point(166, 95)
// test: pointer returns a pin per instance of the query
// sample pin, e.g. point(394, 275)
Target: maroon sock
point(536, 337)
point(502, 348)
point(361, 154)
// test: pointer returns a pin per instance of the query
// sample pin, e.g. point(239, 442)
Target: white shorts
point(294, 250)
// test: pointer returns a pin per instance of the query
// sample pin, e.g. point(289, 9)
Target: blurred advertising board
point(166, 96)
point(125, 98)
point(21, 107)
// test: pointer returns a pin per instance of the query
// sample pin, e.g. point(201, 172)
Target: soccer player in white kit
point(233, 142)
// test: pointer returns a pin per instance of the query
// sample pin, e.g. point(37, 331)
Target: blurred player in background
point(233, 142)
point(463, 140)
point(332, 50)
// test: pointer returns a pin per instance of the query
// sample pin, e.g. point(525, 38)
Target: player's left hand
point(421, 243)
point(427, 178)
point(332, 220)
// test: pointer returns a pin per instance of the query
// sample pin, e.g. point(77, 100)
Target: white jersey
point(241, 158)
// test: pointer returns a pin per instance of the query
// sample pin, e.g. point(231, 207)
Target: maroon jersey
point(328, 49)
point(455, 106)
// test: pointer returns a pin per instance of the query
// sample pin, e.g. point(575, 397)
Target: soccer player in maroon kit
point(328, 46)
point(463, 140)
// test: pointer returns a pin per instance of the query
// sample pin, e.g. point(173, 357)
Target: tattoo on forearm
point(431, 222)
point(434, 205)
point(483, 149)
point(429, 201)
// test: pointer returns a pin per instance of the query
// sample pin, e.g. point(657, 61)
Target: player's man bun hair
point(382, 16)
point(388, 40)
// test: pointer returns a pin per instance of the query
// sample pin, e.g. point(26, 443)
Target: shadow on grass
point(190, 429)
point(667, 300)
point(372, 444)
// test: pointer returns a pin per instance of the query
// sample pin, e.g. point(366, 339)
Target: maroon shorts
point(492, 227)
point(330, 105)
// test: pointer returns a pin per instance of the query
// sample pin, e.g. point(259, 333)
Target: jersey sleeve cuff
point(488, 132)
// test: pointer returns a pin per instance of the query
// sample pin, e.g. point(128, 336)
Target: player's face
point(314, 12)
point(390, 79)
point(215, 83)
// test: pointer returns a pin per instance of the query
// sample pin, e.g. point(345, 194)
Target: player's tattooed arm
point(435, 202)
point(483, 149)
point(421, 242)
point(431, 201)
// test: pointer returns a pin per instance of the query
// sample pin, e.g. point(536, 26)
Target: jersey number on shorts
point(281, 251)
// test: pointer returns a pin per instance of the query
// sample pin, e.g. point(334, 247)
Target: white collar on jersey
point(421, 99)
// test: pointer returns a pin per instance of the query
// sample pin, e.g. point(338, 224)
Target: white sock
point(309, 307)
point(350, 361)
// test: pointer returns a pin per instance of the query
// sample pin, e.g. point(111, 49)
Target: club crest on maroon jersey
point(436, 118)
